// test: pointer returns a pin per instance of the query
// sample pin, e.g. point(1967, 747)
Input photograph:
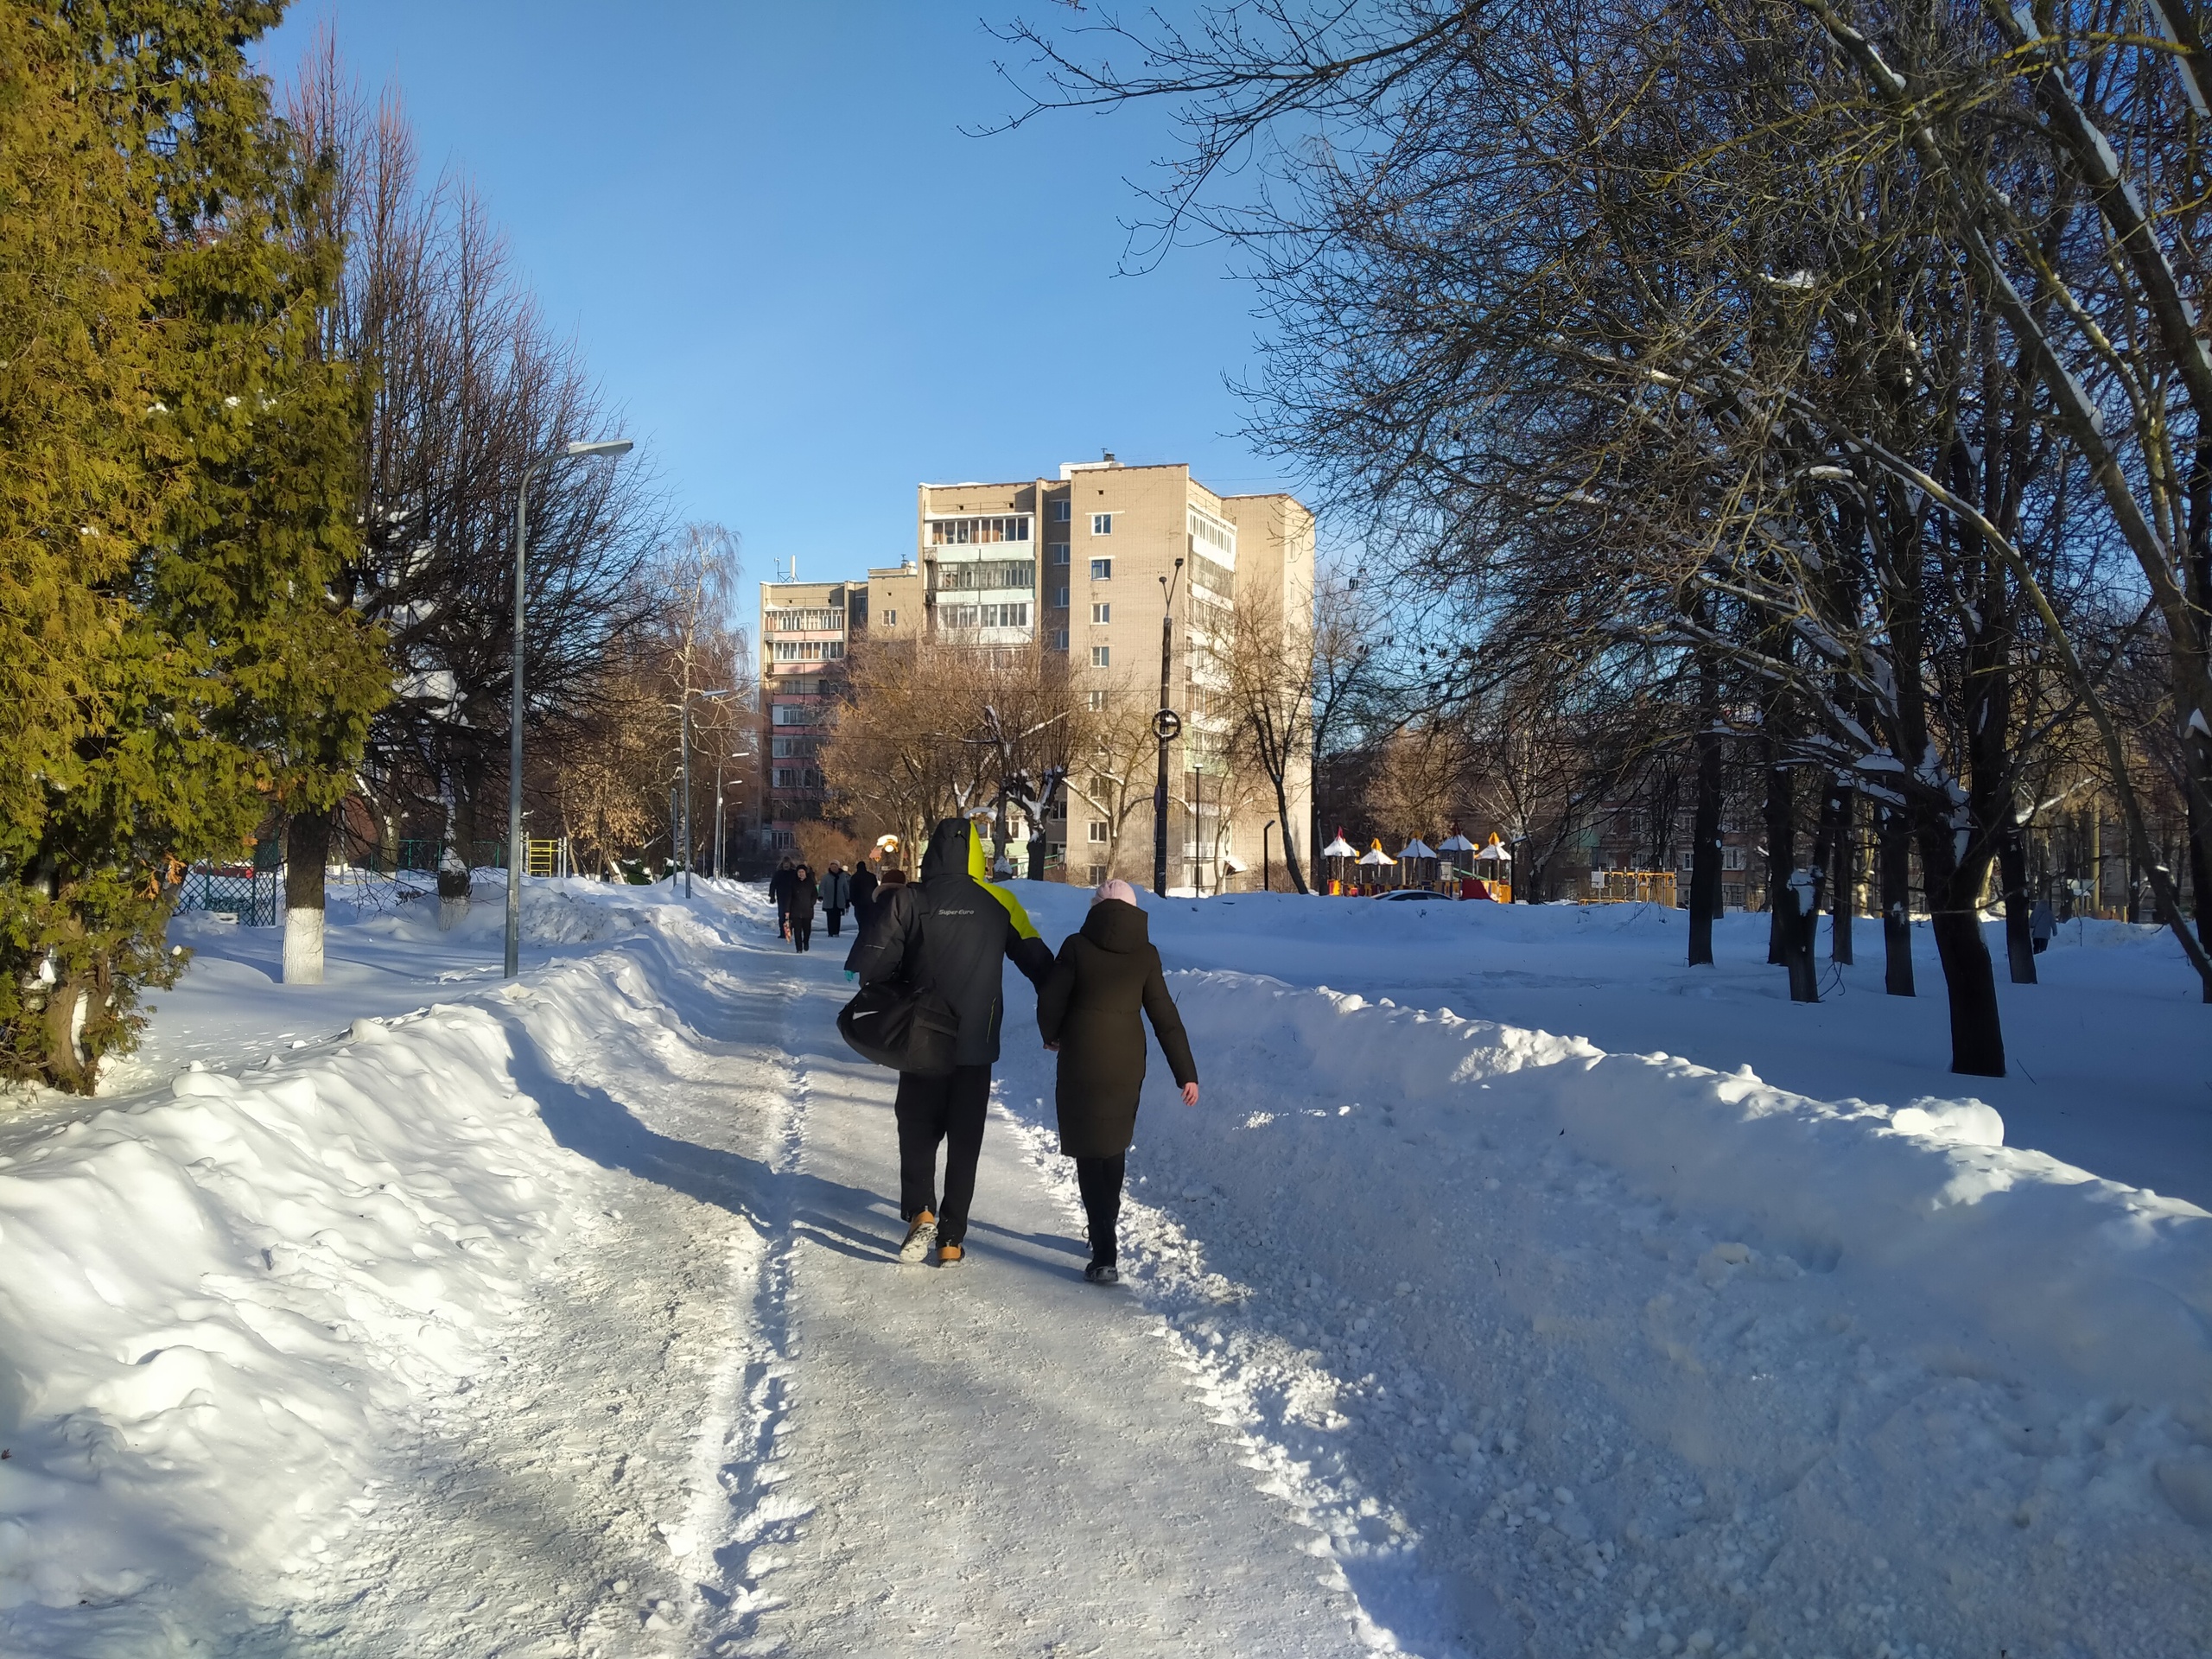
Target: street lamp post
point(720, 839)
point(1165, 726)
point(684, 738)
point(517, 857)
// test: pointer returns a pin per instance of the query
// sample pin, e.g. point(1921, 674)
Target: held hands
point(1190, 1094)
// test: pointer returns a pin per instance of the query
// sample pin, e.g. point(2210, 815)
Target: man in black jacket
point(779, 889)
point(950, 932)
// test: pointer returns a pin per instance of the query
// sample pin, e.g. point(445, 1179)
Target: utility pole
point(1166, 725)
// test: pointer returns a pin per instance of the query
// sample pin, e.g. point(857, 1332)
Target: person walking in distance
point(836, 894)
point(779, 889)
point(951, 932)
point(861, 885)
point(1087, 1010)
point(803, 896)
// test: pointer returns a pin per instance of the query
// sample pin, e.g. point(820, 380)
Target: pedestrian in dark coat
point(1088, 1011)
point(804, 895)
point(837, 895)
point(779, 889)
point(952, 932)
point(862, 885)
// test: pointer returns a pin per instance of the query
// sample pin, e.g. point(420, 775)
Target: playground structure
point(1354, 874)
point(1633, 887)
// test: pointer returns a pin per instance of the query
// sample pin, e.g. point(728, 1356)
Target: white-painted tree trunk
point(451, 910)
point(303, 947)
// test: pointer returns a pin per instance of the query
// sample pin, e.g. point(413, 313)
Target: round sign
point(1168, 725)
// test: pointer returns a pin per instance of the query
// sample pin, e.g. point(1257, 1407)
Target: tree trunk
point(1969, 975)
point(453, 863)
point(1893, 861)
point(307, 850)
point(1289, 840)
point(1798, 915)
point(2019, 906)
point(1843, 890)
point(1781, 844)
point(1705, 833)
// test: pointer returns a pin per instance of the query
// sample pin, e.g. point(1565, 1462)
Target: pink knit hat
point(1114, 889)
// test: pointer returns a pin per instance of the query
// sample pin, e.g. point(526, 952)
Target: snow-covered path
point(997, 1458)
point(730, 1422)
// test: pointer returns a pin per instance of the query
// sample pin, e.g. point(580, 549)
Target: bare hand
point(1053, 1048)
point(1190, 1094)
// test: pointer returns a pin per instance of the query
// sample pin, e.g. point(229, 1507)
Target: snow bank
point(2083, 1281)
point(217, 1302)
point(1568, 1351)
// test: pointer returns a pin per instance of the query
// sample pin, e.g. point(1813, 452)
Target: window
point(818, 620)
point(1098, 698)
point(1059, 599)
point(982, 616)
point(794, 748)
point(965, 532)
point(796, 714)
point(968, 576)
point(1102, 612)
point(1057, 512)
point(807, 650)
point(1208, 531)
point(797, 778)
point(1057, 552)
point(891, 619)
point(1101, 524)
point(1102, 656)
point(1098, 829)
point(1209, 577)
point(1059, 638)
point(1097, 875)
point(1102, 569)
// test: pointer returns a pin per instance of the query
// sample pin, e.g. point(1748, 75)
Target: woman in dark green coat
point(1088, 1011)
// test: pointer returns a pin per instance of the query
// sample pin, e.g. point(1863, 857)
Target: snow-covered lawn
point(1521, 1291)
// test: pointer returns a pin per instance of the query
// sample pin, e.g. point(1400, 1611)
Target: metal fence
point(249, 893)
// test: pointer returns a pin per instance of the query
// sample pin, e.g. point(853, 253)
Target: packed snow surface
point(1513, 1290)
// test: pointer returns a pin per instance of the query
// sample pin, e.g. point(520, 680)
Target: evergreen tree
point(175, 489)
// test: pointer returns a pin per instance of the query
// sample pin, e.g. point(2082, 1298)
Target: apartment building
point(1083, 564)
point(807, 629)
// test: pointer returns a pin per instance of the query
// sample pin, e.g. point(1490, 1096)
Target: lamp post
point(721, 840)
point(518, 857)
point(1165, 725)
point(683, 738)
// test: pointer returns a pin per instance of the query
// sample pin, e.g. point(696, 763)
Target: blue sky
point(808, 287)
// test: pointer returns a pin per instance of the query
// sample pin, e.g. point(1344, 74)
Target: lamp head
point(610, 447)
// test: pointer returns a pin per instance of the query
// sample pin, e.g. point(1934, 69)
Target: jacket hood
point(947, 853)
point(1114, 925)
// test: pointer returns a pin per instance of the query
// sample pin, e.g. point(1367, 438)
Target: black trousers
point(802, 928)
point(836, 915)
point(1099, 1179)
point(951, 1111)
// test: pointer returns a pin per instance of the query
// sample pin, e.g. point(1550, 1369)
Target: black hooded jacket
point(1105, 974)
point(949, 932)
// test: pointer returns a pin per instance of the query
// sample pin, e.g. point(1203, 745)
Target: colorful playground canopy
point(1340, 848)
point(1417, 849)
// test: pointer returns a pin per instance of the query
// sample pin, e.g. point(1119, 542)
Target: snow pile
point(1610, 1353)
point(216, 1301)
